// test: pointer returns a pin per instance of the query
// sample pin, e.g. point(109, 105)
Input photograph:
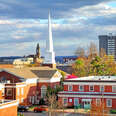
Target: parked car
point(23, 108)
point(41, 108)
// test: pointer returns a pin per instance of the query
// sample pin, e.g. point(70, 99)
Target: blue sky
point(23, 24)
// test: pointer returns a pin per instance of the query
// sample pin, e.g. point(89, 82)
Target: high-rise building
point(49, 54)
point(108, 43)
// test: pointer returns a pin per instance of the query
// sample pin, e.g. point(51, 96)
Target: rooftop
point(94, 78)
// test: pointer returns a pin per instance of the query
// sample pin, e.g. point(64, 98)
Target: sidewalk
point(80, 111)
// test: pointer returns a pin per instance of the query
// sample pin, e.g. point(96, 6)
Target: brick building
point(27, 85)
point(82, 92)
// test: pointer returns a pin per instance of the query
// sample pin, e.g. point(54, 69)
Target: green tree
point(79, 68)
point(98, 67)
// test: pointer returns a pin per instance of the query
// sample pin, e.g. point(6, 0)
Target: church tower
point(38, 51)
point(49, 54)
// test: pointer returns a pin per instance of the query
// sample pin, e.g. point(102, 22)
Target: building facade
point(108, 44)
point(85, 91)
point(27, 85)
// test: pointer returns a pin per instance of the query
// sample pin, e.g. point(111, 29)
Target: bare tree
point(52, 104)
point(102, 52)
point(80, 52)
point(92, 50)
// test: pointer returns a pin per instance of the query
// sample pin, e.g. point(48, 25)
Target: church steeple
point(49, 55)
point(38, 51)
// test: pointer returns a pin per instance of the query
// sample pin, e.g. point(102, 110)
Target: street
point(56, 114)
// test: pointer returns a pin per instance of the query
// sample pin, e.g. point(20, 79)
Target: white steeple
point(49, 55)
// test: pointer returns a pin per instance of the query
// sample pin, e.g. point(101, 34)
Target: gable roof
point(44, 72)
point(20, 72)
point(31, 72)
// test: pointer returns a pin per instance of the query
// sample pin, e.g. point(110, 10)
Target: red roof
point(71, 76)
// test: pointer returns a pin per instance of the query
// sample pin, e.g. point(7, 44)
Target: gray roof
point(44, 73)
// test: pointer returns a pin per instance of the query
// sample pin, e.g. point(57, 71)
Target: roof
point(43, 72)
point(6, 66)
point(21, 72)
point(32, 72)
point(93, 79)
point(71, 76)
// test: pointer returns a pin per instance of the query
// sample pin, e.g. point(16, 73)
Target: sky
point(75, 23)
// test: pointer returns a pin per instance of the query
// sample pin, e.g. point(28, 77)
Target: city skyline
point(75, 23)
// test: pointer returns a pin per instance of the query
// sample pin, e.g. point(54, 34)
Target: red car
point(41, 108)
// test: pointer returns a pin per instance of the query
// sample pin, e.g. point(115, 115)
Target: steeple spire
point(49, 55)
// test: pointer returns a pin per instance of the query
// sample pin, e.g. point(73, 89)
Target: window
point(81, 88)
point(3, 80)
point(30, 99)
point(70, 87)
point(65, 101)
point(98, 102)
point(3, 92)
point(70, 100)
point(91, 88)
point(22, 91)
point(9, 92)
point(102, 88)
point(43, 91)
point(113, 88)
point(22, 100)
point(18, 91)
point(109, 102)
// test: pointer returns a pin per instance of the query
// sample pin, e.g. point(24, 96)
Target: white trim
point(13, 86)
point(87, 96)
point(83, 100)
point(89, 83)
point(5, 105)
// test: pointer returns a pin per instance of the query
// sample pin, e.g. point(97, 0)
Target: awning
point(83, 100)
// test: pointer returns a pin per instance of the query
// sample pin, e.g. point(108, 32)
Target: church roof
point(20, 72)
point(44, 73)
point(31, 72)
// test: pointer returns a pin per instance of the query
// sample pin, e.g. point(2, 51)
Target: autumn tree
point(98, 67)
point(79, 68)
point(99, 109)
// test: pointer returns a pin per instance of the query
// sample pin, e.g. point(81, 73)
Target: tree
point(99, 109)
point(92, 50)
point(98, 67)
point(63, 76)
point(52, 91)
point(52, 103)
point(102, 53)
point(79, 67)
point(80, 52)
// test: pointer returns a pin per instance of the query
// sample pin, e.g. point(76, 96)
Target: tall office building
point(108, 43)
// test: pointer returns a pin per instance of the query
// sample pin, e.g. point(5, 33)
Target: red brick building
point(82, 92)
point(27, 85)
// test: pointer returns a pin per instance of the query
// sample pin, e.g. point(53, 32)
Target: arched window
point(43, 91)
